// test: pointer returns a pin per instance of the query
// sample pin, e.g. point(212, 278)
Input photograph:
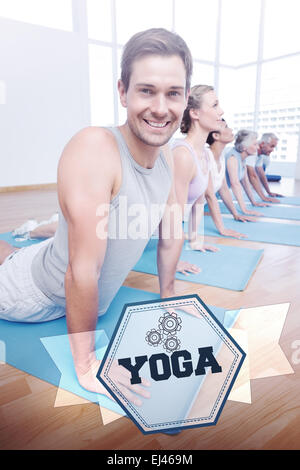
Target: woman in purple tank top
point(191, 161)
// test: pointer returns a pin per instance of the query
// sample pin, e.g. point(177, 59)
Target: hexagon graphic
point(186, 354)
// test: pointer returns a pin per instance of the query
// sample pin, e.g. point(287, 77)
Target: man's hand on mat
point(276, 195)
point(227, 232)
point(184, 267)
point(120, 376)
point(244, 218)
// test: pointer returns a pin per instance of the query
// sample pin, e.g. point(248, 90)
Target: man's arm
point(88, 178)
point(254, 180)
point(87, 175)
point(247, 187)
point(262, 176)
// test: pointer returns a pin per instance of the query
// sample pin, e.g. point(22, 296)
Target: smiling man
point(79, 271)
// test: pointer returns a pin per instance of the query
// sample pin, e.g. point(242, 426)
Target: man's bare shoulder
point(89, 146)
point(90, 164)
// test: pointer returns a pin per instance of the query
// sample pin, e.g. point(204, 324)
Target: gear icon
point(153, 337)
point(169, 323)
point(171, 344)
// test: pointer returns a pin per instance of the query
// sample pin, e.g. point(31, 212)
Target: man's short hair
point(157, 41)
point(267, 137)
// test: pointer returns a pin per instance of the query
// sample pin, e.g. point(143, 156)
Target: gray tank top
point(138, 205)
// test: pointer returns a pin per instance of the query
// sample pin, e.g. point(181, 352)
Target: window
point(133, 16)
point(280, 84)
point(99, 20)
point(239, 31)
point(101, 85)
point(282, 33)
point(121, 111)
point(202, 74)
point(196, 22)
point(226, 92)
point(237, 92)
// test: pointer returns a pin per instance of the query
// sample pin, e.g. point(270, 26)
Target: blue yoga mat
point(289, 200)
point(277, 211)
point(42, 349)
point(229, 268)
point(268, 232)
point(18, 241)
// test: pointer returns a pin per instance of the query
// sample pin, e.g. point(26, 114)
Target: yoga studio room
point(150, 228)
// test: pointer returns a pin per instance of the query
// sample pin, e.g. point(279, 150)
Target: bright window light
point(101, 86)
point(122, 111)
point(137, 15)
point(203, 74)
point(280, 83)
point(196, 22)
point(280, 95)
point(282, 33)
point(239, 31)
point(50, 13)
point(237, 96)
point(99, 20)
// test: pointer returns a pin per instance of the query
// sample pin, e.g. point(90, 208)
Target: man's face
point(267, 147)
point(155, 99)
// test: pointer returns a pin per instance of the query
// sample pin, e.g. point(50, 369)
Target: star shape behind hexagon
point(264, 326)
point(265, 358)
point(256, 329)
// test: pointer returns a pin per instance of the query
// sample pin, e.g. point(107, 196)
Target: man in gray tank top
point(103, 176)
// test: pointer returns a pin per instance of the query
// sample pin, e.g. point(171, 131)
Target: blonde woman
point(192, 164)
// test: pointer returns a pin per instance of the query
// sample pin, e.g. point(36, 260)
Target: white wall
point(45, 78)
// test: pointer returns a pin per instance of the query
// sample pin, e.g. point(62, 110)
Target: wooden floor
point(29, 420)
